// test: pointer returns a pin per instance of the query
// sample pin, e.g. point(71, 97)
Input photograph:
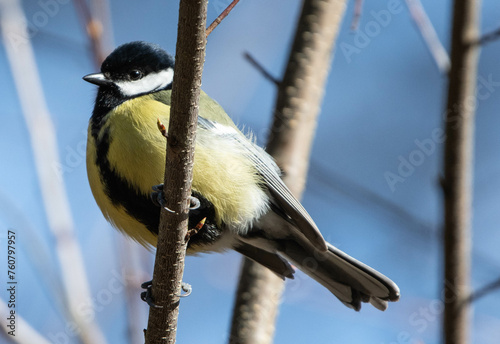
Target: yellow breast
point(137, 154)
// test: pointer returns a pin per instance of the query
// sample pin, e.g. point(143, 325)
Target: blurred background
point(373, 186)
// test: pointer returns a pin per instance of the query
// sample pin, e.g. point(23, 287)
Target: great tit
point(243, 201)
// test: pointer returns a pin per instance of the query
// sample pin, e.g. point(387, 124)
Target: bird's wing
point(270, 173)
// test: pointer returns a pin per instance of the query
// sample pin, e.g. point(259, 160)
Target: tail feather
point(272, 261)
point(351, 281)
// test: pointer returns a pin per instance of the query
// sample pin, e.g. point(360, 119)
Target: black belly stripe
point(117, 189)
point(140, 206)
point(121, 193)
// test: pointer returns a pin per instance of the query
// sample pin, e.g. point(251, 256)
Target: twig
point(481, 292)
point(100, 9)
point(260, 68)
point(94, 29)
point(221, 16)
point(358, 10)
point(45, 151)
point(429, 35)
point(171, 247)
point(489, 37)
point(331, 180)
point(458, 167)
point(298, 102)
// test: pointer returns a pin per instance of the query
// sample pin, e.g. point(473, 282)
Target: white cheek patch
point(149, 83)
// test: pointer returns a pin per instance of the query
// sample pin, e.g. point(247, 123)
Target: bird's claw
point(194, 203)
point(147, 296)
point(158, 198)
point(186, 288)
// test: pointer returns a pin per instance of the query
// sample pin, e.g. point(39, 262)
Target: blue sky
point(383, 103)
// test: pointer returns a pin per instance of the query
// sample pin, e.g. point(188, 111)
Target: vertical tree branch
point(171, 247)
point(296, 110)
point(458, 163)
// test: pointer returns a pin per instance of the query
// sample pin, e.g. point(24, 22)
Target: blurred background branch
point(490, 37)
point(299, 98)
point(429, 35)
point(97, 23)
point(356, 17)
point(458, 170)
point(27, 335)
point(46, 154)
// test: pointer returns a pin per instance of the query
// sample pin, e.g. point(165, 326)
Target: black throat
point(107, 99)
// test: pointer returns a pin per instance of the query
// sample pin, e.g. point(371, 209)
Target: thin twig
point(481, 292)
point(331, 180)
point(94, 29)
point(358, 10)
point(260, 68)
point(429, 35)
point(100, 9)
point(489, 37)
point(44, 144)
point(221, 16)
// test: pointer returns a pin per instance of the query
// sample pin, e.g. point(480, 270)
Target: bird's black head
point(134, 69)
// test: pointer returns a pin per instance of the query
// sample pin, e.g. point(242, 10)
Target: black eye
point(135, 74)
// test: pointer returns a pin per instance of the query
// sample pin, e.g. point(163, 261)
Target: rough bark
point(296, 110)
point(171, 247)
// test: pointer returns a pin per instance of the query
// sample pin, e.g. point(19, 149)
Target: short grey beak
point(97, 79)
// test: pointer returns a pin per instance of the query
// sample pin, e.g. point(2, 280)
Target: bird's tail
point(351, 281)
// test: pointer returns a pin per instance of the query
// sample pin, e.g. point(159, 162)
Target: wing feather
point(270, 173)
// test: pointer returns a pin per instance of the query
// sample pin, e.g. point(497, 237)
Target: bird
point(240, 200)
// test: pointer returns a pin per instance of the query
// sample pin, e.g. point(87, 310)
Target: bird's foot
point(147, 296)
point(158, 198)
